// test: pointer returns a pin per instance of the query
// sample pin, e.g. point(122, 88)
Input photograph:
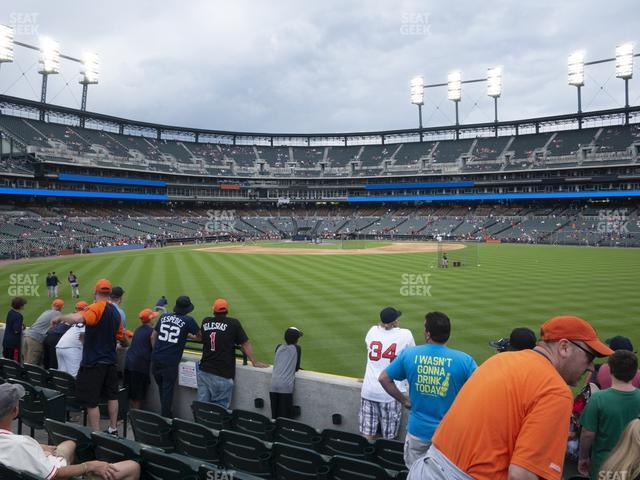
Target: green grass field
point(334, 299)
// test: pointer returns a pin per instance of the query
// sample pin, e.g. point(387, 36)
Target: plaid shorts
point(387, 414)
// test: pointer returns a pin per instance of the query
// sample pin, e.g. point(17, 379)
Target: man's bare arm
point(390, 387)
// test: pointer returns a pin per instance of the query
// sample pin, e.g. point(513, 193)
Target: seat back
point(389, 454)
point(11, 369)
point(336, 442)
point(39, 404)
point(296, 433)
point(295, 463)
point(162, 466)
point(345, 468)
point(243, 452)
point(211, 415)
point(214, 472)
point(37, 375)
point(152, 429)
point(61, 431)
point(252, 423)
point(65, 383)
point(108, 448)
point(195, 441)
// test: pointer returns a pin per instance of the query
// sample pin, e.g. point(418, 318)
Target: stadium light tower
point(6, 44)
point(575, 66)
point(50, 60)
point(494, 89)
point(454, 91)
point(90, 76)
point(417, 97)
point(624, 70)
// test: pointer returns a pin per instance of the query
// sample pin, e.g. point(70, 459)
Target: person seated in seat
point(48, 461)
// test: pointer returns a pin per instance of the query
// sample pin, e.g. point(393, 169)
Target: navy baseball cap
point(619, 343)
point(389, 315)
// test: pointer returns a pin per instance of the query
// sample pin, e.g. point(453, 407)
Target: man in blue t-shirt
point(435, 373)
point(168, 339)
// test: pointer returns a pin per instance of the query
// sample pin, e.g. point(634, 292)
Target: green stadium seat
point(37, 376)
point(195, 440)
point(65, 383)
point(295, 463)
point(244, 452)
point(296, 433)
point(61, 431)
point(211, 415)
point(209, 472)
point(389, 454)
point(12, 369)
point(39, 404)
point(158, 465)
point(152, 429)
point(252, 423)
point(108, 448)
point(402, 475)
point(123, 409)
point(337, 442)
point(345, 468)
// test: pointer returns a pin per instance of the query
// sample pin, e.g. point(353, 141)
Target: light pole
point(494, 89)
point(50, 60)
point(90, 76)
point(624, 70)
point(417, 98)
point(454, 93)
point(575, 66)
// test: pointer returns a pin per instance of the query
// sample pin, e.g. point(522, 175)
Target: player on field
point(384, 342)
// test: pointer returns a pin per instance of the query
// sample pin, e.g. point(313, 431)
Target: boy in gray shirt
point(285, 366)
point(34, 336)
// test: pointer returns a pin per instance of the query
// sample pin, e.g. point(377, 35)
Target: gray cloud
point(287, 66)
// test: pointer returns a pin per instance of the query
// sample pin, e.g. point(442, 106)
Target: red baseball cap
point(574, 328)
point(220, 306)
point(103, 286)
point(58, 302)
point(81, 306)
point(147, 315)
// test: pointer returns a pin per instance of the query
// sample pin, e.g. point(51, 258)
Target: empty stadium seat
point(336, 442)
point(252, 423)
point(211, 415)
point(37, 375)
point(195, 441)
point(158, 465)
point(152, 429)
point(205, 473)
point(345, 468)
point(389, 454)
point(11, 369)
point(244, 452)
point(37, 405)
point(296, 433)
point(295, 463)
point(108, 448)
point(65, 383)
point(61, 431)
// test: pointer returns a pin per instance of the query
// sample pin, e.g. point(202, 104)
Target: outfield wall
point(318, 395)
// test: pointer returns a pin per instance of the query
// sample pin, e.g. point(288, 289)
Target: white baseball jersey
point(383, 346)
point(24, 453)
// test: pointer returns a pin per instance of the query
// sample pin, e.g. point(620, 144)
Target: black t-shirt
point(220, 335)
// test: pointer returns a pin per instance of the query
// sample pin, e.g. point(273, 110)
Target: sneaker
point(111, 431)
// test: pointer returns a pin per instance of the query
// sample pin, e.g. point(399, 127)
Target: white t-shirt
point(71, 338)
point(383, 346)
point(25, 453)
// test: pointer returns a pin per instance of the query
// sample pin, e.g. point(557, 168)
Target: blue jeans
point(214, 389)
point(165, 376)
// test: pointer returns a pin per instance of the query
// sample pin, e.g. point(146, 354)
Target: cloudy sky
point(322, 66)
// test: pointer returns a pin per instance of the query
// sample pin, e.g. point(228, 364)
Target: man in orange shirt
point(98, 377)
point(510, 421)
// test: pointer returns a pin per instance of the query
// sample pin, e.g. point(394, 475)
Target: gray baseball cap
point(10, 393)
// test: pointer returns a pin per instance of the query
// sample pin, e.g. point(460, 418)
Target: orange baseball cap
point(220, 306)
point(574, 328)
point(58, 302)
point(103, 286)
point(147, 315)
point(81, 306)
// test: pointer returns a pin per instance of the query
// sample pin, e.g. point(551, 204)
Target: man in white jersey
point(384, 343)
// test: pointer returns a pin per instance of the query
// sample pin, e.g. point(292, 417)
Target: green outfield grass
point(334, 299)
